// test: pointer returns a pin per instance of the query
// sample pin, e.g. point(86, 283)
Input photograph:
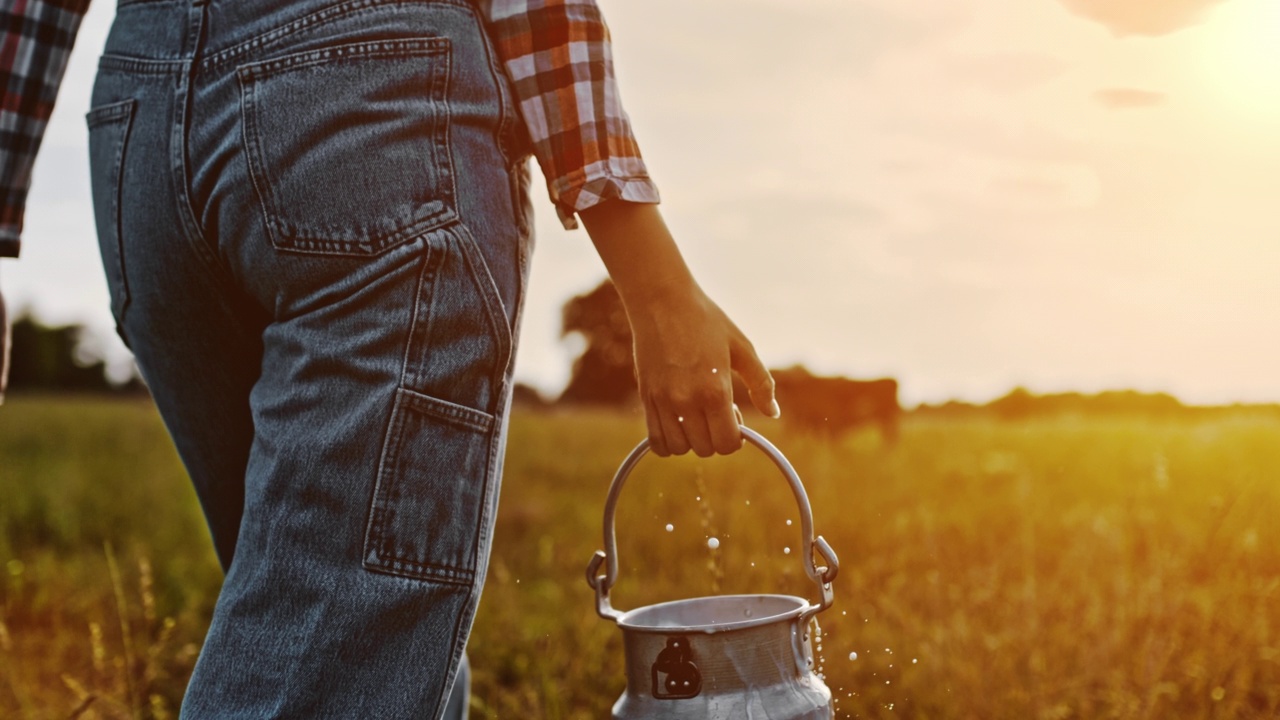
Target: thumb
point(745, 362)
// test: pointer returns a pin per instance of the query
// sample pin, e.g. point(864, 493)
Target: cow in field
point(834, 405)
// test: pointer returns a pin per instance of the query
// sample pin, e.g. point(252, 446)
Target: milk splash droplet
point(713, 543)
point(786, 551)
point(788, 522)
point(670, 527)
point(853, 656)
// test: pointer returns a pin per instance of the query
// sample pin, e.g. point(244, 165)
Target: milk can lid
point(713, 614)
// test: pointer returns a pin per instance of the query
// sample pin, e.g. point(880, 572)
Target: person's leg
point(322, 269)
point(460, 697)
point(196, 340)
point(368, 493)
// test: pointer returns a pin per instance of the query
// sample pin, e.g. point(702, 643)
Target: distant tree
point(605, 372)
point(527, 396)
point(49, 358)
point(1021, 404)
point(1017, 405)
point(950, 408)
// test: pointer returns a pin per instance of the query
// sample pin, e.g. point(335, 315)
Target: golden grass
point(1053, 569)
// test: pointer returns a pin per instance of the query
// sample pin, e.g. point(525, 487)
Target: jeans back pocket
point(108, 137)
point(348, 146)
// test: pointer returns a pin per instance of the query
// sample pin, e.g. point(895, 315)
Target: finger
point(673, 431)
point(657, 440)
point(698, 434)
point(722, 423)
point(759, 382)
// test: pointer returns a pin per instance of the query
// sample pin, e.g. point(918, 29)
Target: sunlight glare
point(1244, 57)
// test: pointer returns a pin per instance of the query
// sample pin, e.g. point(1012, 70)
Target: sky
point(967, 196)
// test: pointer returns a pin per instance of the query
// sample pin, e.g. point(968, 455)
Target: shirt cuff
point(578, 197)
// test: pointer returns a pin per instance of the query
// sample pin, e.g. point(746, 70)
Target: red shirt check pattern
point(35, 42)
point(557, 53)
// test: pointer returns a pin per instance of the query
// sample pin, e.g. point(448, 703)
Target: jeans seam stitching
point(496, 317)
point(178, 169)
point(447, 411)
point(315, 19)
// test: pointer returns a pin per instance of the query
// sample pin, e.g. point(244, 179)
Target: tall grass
point(109, 577)
point(1055, 569)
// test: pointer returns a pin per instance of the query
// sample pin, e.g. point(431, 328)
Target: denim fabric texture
point(316, 233)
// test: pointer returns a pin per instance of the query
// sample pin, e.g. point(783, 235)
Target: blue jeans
point(314, 221)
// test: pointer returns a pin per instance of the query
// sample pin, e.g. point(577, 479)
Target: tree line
point(59, 358)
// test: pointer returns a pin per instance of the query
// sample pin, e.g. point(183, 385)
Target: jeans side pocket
point(433, 480)
point(108, 137)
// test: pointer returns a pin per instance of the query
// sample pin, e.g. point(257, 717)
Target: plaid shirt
point(556, 52)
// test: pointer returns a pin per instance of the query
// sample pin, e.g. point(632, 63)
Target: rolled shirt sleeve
point(558, 55)
point(36, 37)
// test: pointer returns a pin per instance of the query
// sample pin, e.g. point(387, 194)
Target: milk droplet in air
point(670, 527)
point(786, 551)
point(853, 656)
point(788, 522)
point(713, 543)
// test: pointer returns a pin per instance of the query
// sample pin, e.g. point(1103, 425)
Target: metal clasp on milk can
point(726, 656)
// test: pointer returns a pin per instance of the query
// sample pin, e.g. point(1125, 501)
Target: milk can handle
point(821, 575)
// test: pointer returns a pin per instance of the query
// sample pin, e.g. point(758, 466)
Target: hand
point(686, 348)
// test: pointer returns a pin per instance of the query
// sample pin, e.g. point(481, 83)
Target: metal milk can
point(725, 657)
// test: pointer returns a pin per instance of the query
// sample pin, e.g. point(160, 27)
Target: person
point(314, 221)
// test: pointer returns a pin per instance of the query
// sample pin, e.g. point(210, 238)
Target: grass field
point(1046, 570)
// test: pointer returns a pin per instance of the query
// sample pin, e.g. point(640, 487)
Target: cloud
point(1142, 17)
point(1128, 98)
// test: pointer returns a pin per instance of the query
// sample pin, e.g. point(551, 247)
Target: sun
point(1242, 59)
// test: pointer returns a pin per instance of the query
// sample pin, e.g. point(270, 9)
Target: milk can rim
point(801, 605)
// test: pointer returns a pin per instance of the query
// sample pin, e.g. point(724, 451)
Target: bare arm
point(685, 345)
